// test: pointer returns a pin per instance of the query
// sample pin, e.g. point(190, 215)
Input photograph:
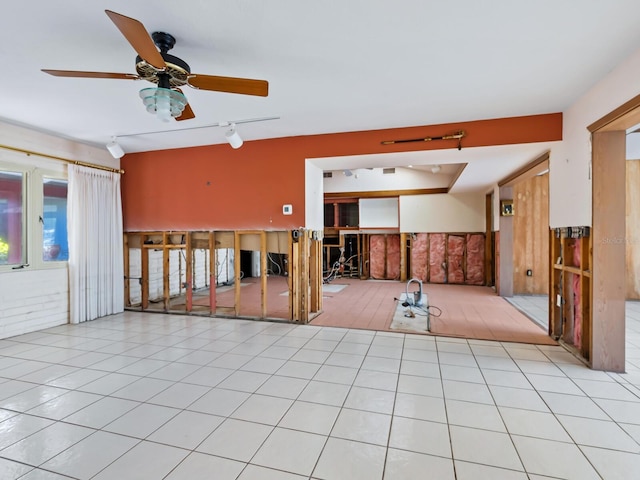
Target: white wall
point(314, 198)
point(364, 180)
point(31, 298)
point(442, 213)
point(570, 162)
point(177, 272)
point(378, 212)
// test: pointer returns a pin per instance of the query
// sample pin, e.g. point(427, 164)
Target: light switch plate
point(287, 209)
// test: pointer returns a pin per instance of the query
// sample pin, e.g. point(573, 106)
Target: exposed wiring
point(275, 263)
point(338, 266)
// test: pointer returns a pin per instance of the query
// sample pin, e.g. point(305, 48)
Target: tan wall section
point(633, 230)
point(531, 236)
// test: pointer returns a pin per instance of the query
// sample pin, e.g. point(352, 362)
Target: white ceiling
point(332, 66)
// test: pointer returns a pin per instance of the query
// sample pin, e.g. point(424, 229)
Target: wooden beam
point(386, 193)
point(144, 273)
point(488, 246)
point(126, 268)
point(316, 276)
point(608, 279)
point(189, 273)
point(555, 276)
point(263, 273)
point(166, 290)
point(623, 117)
point(295, 281)
point(304, 275)
point(236, 272)
point(530, 169)
point(403, 257)
point(213, 271)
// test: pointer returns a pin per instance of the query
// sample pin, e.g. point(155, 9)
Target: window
point(11, 218)
point(54, 220)
point(33, 216)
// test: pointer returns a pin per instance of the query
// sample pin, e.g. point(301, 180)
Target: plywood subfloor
point(467, 311)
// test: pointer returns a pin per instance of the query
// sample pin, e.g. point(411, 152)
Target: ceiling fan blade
point(79, 74)
point(135, 33)
point(187, 113)
point(245, 86)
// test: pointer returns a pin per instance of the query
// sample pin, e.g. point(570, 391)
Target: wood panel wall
point(633, 230)
point(531, 236)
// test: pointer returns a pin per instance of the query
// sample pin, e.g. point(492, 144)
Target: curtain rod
point(66, 160)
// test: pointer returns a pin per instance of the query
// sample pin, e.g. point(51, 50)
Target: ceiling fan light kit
point(163, 102)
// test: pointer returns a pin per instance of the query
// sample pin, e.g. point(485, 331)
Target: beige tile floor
point(153, 396)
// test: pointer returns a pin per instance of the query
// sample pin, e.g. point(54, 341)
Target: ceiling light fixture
point(115, 149)
point(236, 139)
point(233, 137)
point(435, 168)
point(163, 102)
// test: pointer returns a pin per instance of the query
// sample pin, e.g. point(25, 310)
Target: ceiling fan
point(155, 65)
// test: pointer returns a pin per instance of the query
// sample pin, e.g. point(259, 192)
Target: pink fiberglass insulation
point(377, 256)
point(456, 259)
point(577, 311)
point(475, 259)
point(496, 265)
point(384, 255)
point(577, 295)
point(437, 272)
point(393, 257)
point(419, 256)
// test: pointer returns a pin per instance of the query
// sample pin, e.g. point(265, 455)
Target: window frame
point(24, 172)
point(46, 174)
point(33, 177)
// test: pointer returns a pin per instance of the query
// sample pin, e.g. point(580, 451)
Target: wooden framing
point(316, 276)
point(565, 301)
point(126, 268)
point(213, 262)
point(488, 240)
point(303, 268)
point(403, 257)
point(608, 287)
point(189, 274)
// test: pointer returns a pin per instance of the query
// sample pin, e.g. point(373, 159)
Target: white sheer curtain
point(96, 272)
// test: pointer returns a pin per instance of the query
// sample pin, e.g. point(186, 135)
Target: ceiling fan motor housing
point(177, 69)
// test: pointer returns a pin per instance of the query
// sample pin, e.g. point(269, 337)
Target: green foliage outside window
point(4, 251)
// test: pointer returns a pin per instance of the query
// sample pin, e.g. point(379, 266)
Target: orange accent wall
point(216, 187)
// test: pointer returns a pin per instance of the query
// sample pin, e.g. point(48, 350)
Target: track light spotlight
point(233, 137)
point(115, 149)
